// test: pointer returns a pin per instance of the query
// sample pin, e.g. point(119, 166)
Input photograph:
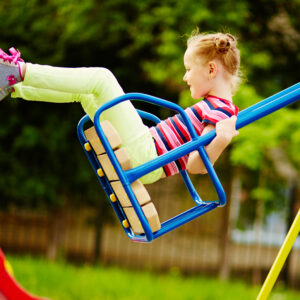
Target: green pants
point(92, 87)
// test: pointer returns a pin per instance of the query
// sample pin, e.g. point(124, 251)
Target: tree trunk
point(287, 171)
point(98, 234)
point(233, 211)
point(56, 233)
point(291, 201)
point(225, 241)
point(258, 227)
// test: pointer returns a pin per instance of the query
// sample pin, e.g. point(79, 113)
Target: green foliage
point(64, 281)
point(280, 129)
point(40, 157)
point(251, 150)
point(142, 42)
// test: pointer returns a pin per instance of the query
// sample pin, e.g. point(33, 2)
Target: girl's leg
point(43, 95)
point(92, 87)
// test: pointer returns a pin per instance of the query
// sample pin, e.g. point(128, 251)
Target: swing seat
point(119, 194)
point(135, 211)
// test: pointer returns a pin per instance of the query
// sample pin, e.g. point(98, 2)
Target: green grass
point(62, 281)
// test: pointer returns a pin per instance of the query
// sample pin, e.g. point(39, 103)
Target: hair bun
point(224, 42)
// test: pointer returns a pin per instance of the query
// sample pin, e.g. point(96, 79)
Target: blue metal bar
point(211, 171)
point(179, 220)
point(268, 108)
point(137, 172)
point(148, 116)
point(270, 99)
point(151, 99)
point(185, 217)
point(195, 196)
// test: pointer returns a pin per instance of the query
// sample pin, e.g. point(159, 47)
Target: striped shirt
point(172, 132)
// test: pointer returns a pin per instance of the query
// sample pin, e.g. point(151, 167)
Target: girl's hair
point(221, 46)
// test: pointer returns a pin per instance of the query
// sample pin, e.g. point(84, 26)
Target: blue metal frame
point(245, 117)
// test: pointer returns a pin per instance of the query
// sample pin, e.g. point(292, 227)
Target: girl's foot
point(10, 70)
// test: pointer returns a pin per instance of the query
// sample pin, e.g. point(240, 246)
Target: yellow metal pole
point(280, 259)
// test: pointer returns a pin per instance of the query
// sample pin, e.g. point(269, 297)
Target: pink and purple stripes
point(172, 132)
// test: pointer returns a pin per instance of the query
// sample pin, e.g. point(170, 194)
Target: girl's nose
point(184, 77)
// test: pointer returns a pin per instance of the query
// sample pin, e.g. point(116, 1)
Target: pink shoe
point(10, 71)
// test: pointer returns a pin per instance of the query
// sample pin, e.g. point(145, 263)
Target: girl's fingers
point(236, 133)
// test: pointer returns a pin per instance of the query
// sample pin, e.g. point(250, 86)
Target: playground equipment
point(280, 259)
point(128, 177)
point(9, 287)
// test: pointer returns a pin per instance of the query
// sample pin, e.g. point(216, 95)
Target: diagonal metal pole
point(280, 259)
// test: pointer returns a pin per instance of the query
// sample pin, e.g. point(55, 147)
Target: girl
point(212, 67)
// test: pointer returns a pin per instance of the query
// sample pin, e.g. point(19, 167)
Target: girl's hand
point(226, 129)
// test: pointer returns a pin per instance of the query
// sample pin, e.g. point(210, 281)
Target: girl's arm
point(225, 131)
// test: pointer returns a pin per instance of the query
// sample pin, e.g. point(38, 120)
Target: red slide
point(10, 289)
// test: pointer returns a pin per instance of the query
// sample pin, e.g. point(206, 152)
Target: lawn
point(62, 281)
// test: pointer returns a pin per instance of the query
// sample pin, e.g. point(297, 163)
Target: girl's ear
point(212, 69)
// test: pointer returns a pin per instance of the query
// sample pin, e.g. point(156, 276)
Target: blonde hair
point(221, 46)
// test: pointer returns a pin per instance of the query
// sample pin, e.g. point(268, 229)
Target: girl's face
point(196, 75)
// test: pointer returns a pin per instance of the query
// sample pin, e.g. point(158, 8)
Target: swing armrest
point(148, 116)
